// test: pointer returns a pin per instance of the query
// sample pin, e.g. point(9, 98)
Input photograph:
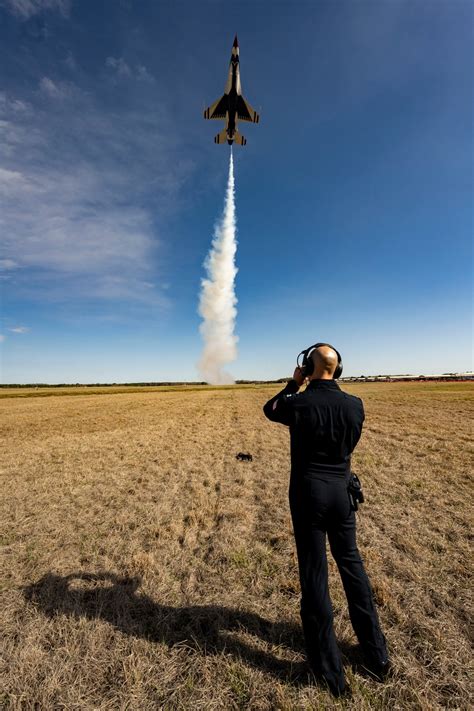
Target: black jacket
point(325, 425)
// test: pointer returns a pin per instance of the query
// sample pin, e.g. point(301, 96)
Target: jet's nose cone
point(236, 41)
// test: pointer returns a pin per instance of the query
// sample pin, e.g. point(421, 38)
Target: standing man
point(325, 425)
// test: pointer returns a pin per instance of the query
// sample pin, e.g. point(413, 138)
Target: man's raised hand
point(299, 376)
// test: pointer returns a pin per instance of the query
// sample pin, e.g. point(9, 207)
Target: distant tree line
point(163, 383)
point(135, 385)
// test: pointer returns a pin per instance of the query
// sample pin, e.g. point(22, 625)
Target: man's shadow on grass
point(206, 629)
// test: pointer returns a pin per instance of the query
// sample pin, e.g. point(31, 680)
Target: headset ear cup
point(308, 365)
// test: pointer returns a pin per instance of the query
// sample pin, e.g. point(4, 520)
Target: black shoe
point(380, 672)
point(346, 693)
point(339, 692)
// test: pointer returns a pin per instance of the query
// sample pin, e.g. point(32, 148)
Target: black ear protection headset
point(307, 366)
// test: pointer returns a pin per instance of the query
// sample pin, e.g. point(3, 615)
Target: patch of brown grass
point(144, 567)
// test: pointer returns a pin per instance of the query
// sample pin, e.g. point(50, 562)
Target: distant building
point(468, 375)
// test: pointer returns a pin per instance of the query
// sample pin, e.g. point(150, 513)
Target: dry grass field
point(143, 567)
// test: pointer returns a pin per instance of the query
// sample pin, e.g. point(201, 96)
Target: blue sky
point(354, 193)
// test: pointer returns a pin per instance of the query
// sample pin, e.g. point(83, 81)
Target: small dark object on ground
point(244, 457)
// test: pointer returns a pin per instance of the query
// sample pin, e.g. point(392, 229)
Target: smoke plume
point(217, 303)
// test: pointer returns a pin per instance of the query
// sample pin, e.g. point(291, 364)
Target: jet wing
point(245, 112)
point(218, 109)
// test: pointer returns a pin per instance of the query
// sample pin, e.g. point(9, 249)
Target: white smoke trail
point(217, 303)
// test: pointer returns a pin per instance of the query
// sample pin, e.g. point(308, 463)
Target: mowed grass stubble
point(145, 567)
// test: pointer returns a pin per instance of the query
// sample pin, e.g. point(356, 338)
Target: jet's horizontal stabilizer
point(221, 137)
point(238, 138)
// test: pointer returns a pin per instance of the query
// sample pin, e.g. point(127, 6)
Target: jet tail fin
point(221, 137)
point(238, 138)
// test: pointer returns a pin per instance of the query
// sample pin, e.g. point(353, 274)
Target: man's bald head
point(325, 362)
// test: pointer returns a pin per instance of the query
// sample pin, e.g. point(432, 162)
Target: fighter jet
point(232, 106)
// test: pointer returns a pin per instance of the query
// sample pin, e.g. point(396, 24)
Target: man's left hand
point(299, 376)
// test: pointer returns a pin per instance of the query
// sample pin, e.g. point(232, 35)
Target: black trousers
point(320, 505)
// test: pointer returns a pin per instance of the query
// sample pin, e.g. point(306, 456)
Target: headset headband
point(307, 352)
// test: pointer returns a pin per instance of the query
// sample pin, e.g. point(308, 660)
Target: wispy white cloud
point(143, 73)
point(81, 190)
point(70, 61)
point(123, 70)
point(7, 264)
point(55, 90)
point(2, 338)
point(20, 329)
point(27, 8)
point(119, 65)
point(12, 182)
point(12, 105)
